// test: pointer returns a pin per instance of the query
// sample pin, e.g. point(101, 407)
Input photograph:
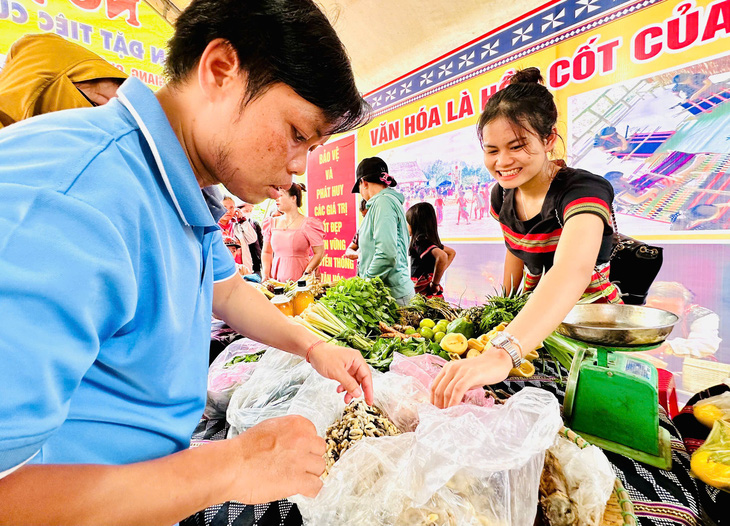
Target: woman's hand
point(459, 376)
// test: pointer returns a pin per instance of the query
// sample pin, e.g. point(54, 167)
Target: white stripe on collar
point(155, 152)
point(9, 471)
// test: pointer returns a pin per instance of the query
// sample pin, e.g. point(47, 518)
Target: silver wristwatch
point(508, 343)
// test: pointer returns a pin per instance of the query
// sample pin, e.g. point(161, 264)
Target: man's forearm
point(161, 491)
point(250, 313)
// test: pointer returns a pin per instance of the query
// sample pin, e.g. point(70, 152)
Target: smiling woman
point(556, 223)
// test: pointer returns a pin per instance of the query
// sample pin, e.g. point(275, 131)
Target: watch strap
point(509, 344)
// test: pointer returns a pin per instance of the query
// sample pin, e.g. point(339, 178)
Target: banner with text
point(127, 33)
point(330, 176)
point(643, 95)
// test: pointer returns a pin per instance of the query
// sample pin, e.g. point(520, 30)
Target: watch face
point(499, 340)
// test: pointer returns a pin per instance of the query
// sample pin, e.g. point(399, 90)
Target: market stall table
point(659, 497)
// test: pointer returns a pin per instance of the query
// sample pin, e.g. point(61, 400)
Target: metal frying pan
point(614, 325)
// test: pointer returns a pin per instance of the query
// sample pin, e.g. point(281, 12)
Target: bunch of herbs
point(502, 308)
point(361, 303)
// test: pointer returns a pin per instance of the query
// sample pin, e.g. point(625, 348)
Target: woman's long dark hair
point(295, 190)
point(424, 227)
point(525, 103)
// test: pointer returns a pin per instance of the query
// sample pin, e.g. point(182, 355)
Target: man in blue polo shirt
point(104, 324)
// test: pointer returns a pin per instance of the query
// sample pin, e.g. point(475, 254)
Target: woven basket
point(619, 508)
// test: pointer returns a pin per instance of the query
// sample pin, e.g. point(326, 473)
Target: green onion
point(325, 321)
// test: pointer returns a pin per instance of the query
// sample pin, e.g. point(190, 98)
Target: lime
point(426, 333)
point(437, 337)
point(441, 326)
point(427, 322)
point(409, 330)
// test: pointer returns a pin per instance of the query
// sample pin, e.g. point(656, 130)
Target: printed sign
point(331, 174)
point(127, 33)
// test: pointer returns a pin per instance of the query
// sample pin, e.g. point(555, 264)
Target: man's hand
point(351, 254)
point(457, 377)
point(249, 312)
point(273, 460)
point(346, 366)
point(276, 459)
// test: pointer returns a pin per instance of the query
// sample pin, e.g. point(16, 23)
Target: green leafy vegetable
point(361, 303)
point(421, 307)
point(562, 349)
point(244, 358)
point(381, 354)
point(502, 308)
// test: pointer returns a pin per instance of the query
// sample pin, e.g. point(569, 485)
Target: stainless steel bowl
point(618, 325)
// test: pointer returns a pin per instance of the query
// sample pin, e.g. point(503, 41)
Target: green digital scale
point(611, 397)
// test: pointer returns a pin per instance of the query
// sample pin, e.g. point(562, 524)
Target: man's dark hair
point(288, 41)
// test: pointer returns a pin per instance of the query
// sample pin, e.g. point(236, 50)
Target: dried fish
point(358, 420)
point(557, 506)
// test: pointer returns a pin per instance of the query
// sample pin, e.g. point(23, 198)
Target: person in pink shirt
point(293, 242)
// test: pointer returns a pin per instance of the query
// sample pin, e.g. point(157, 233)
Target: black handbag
point(634, 266)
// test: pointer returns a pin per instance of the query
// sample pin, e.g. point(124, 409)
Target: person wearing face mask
point(293, 242)
point(383, 234)
point(557, 228)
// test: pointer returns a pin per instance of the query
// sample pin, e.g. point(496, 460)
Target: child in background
point(235, 248)
point(462, 204)
point(429, 257)
point(439, 204)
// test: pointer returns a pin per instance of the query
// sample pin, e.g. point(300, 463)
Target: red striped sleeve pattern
point(591, 205)
point(494, 214)
point(599, 283)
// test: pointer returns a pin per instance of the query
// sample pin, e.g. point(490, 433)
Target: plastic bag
point(709, 410)
point(589, 476)
point(711, 462)
point(224, 377)
point(466, 465)
point(398, 396)
point(269, 391)
point(426, 367)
